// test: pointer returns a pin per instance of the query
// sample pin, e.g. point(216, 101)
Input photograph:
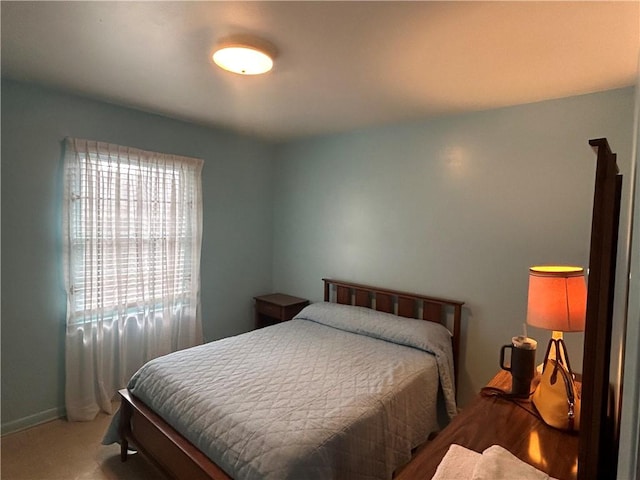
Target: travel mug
point(522, 365)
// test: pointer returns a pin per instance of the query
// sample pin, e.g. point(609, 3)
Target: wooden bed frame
point(144, 430)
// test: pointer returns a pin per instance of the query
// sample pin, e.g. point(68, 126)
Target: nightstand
point(488, 421)
point(276, 308)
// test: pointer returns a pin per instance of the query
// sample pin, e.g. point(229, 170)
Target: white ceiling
point(341, 65)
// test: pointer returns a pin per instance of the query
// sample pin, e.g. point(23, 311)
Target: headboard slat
point(432, 311)
point(343, 295)
point(384, 302)
point(406, 307)
point(363, 298)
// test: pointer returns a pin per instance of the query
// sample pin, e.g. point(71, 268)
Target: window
point(131, 231)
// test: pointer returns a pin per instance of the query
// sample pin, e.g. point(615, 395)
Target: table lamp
point(557, 300)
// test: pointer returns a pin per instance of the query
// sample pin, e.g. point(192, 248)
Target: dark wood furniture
point(491, 420)
point(599, 422)
point(178, 458)
point(277, 307)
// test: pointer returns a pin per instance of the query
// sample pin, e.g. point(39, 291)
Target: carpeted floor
point(61, 450)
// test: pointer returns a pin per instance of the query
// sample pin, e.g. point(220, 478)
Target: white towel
point(458, 462)
point(498, 463)
point(495, 463)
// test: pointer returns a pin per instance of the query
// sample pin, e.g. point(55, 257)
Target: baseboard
point(32, 420)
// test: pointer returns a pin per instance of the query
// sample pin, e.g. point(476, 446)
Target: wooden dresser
point(488, 421)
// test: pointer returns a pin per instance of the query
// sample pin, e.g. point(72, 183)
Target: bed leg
point(124, 428)
point(123, 450)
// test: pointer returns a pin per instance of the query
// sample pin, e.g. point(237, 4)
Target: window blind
point(132, 228)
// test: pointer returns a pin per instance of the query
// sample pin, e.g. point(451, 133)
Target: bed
point(344, 390)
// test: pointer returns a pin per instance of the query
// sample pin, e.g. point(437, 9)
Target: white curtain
point(132, 236)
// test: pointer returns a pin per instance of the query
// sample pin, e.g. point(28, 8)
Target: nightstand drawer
point(269, 309)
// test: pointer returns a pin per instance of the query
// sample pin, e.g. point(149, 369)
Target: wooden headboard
point(403, 304)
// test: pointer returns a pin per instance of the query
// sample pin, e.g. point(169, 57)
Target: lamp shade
point(557, 298)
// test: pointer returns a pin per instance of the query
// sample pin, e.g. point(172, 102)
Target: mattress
point(338, 392)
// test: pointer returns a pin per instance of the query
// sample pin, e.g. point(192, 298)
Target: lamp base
point(555, 335)
point(551, 353)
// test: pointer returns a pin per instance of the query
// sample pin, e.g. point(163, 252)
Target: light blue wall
point(456, 207)
point(236, 249)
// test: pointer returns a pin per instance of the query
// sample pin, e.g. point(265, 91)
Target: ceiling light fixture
point(244, 56)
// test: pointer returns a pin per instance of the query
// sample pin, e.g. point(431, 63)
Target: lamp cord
point(517, 400)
